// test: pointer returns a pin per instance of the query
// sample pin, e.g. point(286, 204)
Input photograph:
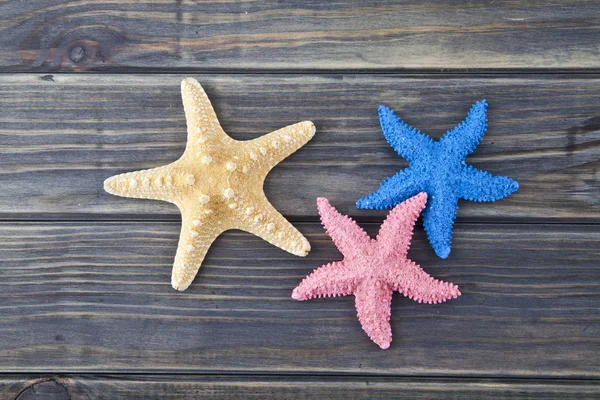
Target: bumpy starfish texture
point(439, 169)
point(218, 185)
point(372, 269)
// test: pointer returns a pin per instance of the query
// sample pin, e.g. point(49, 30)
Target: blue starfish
point(439, 169)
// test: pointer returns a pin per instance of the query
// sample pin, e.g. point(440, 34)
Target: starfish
point(439, 169)
point(372, 269)
point(217, 184)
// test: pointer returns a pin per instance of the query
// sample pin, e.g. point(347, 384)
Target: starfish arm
point(198, 232)
point(438, 219)
point(396, 231)
point(373, 302)
point(204, 129)
point(462, 140)
point(333, 279)
point(267, 151)
point(156, 184)
point(260, 218)
point(349, 238)
point(477, 185)
point(394, 190)
point(406, 140)
point(419, 286)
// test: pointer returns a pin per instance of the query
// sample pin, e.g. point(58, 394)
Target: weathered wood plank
point(58, 35)
point(62, 135)
point(81, 297)
point(173, 387)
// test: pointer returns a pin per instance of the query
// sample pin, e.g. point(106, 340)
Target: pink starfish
point(372, 269)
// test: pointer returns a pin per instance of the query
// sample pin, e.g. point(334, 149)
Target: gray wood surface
point(96, 297)
point(62, 135)
point(52, 35)
point(86, 306)
point(178, 387)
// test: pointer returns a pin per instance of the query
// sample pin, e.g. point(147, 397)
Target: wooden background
point(89, 89)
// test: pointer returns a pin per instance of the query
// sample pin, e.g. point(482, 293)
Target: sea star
point(372, 269)
point(217, 184)
point(438, 168)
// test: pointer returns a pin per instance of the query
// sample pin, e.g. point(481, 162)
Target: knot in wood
point(45, 389)
point(77, 54)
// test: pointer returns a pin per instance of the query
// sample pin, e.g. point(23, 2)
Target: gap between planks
point(406, 73)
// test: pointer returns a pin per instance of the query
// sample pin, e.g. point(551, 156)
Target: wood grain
point(96, 297)
point(154, 35)
point(62, 135)
point(174, 387)
point(86, 306)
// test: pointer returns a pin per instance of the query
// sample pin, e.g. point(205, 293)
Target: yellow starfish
point(218, 184)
